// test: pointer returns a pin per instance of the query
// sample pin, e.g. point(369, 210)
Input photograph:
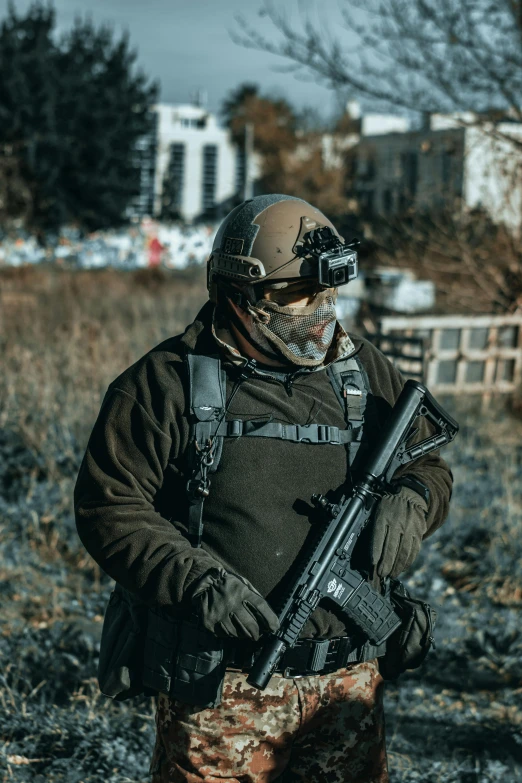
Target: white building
point(398, 290)
point(445, 165)
point(375, 124)
point(493, 174)
point(198, 168)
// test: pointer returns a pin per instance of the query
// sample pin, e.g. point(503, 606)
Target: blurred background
point(127, 132)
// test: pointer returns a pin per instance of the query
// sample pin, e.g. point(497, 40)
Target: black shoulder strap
point(207, 385)
point(207, 394)
point(352, 387)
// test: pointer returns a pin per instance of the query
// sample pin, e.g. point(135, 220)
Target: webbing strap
point(351, 385)
point(341, 367)
point(207, 388)
point(308, 433)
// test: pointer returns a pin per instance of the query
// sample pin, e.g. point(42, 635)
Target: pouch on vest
point(183, 660)
point(409, 645)
point(122, 646)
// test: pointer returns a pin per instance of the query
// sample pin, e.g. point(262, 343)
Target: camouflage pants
point(322, 729)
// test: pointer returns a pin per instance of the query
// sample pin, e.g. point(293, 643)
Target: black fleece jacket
point(130, 499)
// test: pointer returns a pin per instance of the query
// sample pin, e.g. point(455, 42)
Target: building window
point(176, 172)
point(144, 163)
point(446, 168)
point(172, 192)
point(450, 339)
point(193, 122)
point(409, 172)
point(475, 372)
point(240, 170)
point(366, 202)
point(447, 371)
point(210, 154)
point(390, 162)
point(387, 201)
point(365, 168)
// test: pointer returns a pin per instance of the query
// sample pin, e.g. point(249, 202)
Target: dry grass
point(65, 335)
point(486, 511)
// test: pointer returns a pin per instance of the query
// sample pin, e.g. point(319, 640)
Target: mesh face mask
point(301, 334)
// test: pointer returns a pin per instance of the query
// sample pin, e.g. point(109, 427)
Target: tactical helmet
point(268, 238)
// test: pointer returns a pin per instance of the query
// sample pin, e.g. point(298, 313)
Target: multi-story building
point(449, 164)
point(199, 170)
point(191, 168)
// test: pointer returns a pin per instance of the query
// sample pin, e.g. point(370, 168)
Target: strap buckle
point(248, 368)
point(289, 674)
point(302, 431)
point(198, 487)
point(315, 653)
point(235, 428)
point(319, 433)
point(332, 654)
point(318, 655)
point(325, 434)
point(328, 655)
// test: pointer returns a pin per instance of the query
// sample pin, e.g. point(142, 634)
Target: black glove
point(398, 528)
point(228, 605)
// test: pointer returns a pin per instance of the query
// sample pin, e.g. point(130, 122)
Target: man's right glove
point(228, 605)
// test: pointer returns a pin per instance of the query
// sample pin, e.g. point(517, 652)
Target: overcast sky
point(187, 46)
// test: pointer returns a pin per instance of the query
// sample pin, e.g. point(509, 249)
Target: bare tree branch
point(440, 56)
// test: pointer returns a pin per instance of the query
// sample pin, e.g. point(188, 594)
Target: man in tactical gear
point(194, 496)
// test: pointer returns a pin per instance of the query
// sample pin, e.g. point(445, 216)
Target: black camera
point(337, 264)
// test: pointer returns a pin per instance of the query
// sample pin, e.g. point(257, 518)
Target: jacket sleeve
point(386, 383)
point(117, 522)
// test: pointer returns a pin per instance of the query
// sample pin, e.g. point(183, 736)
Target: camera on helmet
point(337, 267)
point(337, 264)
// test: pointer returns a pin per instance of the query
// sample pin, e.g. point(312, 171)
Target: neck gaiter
point(302, 335)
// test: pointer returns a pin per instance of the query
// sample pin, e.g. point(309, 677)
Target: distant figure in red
point(155, 251)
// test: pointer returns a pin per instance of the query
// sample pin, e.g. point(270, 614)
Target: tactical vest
point(208, 427)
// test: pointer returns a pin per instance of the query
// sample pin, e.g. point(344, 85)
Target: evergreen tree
point(71, 112)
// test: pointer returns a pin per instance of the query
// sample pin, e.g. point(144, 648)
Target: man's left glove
point(398, 527)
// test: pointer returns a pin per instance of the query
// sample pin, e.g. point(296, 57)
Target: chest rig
point(181, 658)
point(209, 428)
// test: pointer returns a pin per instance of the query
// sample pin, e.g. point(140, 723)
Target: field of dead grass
point(63, 337)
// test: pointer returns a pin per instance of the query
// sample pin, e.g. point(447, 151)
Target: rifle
point(324, 570)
